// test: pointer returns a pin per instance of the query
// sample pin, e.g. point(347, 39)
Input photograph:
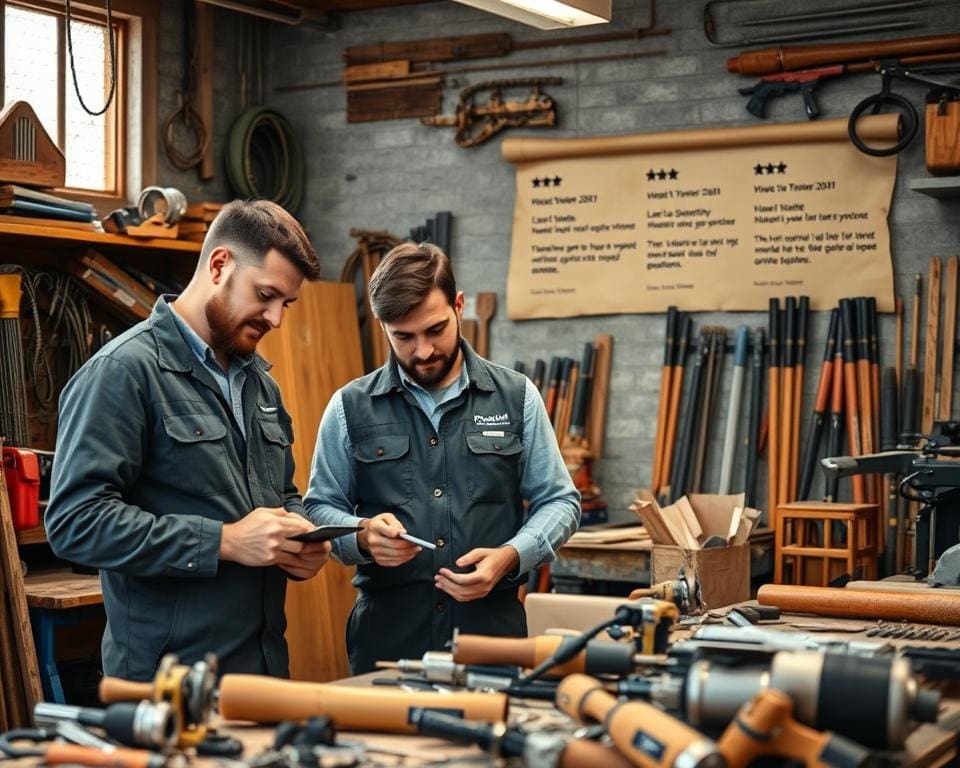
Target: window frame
point(135, 100)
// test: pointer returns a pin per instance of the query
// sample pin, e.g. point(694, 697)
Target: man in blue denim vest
point(173, 472)
point(446, 446)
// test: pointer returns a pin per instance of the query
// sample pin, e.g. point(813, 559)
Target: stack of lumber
point(18, 657)
point(193, 225)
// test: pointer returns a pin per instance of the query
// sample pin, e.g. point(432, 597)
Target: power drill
point(646, 735)
point(872, 700)
point(765, 726)
point(539, 749)
point(188, 690)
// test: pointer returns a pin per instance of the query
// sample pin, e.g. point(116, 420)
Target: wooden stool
point(804, 537)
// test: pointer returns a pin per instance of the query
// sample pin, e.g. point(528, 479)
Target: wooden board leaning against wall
point(314, 352)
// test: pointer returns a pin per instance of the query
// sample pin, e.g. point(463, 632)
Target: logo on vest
point(498, 419)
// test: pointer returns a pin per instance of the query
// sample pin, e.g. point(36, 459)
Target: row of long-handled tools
point(859, 407)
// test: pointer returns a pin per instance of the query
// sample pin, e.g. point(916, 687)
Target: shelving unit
point(32, 234)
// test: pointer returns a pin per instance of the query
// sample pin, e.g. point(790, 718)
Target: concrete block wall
point(392, 175)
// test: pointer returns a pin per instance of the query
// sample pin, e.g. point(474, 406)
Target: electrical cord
point(67, 320)
point(113, 62)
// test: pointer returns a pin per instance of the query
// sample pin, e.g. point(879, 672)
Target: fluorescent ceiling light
point(548, 14)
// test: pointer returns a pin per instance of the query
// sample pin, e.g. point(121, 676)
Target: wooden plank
point(930, 344)
point(385, 70)
point(314, 352)
point(386, 103)
point(22, 632)
point(12, 231)
point(597, 416)
point(204, 88)
point(949, 341)
point(432, 49)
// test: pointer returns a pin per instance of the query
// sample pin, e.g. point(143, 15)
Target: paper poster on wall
point(713, 219)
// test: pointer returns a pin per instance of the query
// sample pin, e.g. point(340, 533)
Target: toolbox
point(21, 468)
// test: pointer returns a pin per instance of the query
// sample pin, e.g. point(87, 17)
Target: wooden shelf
point(26, 233)
point(937, 186)
point(32, 536)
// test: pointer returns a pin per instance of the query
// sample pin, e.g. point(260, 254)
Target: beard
point(429, 378)
point(228, 332)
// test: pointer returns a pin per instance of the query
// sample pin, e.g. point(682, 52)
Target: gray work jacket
point(149, 465)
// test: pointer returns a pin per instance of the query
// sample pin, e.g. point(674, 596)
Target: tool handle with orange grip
point(112, 689)
point(513, 651)
point(583, 753)
point(765, 726)
point(73, 754)
point(647, 736)
point(269, 700)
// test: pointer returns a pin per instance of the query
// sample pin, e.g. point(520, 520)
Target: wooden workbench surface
point(60, 589)
point(928, 745)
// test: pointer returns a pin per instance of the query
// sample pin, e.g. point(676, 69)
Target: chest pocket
point(274, 454)
point(492, 465)
point(384, 472)
point(195, 456)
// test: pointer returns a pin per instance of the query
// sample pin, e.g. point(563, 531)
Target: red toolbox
point(22, 472)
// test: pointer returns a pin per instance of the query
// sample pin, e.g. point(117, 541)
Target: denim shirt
point(149, 466)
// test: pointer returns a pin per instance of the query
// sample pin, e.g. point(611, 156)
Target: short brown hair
point(253, 227)
point(404, 278)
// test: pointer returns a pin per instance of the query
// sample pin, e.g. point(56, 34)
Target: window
point(107, 157)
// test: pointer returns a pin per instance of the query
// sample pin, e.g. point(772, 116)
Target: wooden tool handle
point(584, 698)
point(926, 607)
point(269, 700)
point(113, 689)
point(513, 651)
point(583, 753)
point(788, 58)
point(74, 754)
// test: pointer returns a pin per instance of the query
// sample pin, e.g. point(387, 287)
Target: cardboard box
point(724, 571)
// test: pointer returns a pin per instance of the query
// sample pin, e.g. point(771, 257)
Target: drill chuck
point(153, 725)
point(872, 700)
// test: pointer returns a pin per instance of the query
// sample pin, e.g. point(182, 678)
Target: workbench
point(55, 598)
point(928, 745)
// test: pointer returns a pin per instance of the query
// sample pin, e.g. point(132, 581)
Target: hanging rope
point(187, 114)
point(113, 63)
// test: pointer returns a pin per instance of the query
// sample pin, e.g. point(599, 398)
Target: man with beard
point(445, 446)
point(173, 470)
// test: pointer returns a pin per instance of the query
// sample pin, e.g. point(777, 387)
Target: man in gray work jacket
point(443, 445)
point(173, 470)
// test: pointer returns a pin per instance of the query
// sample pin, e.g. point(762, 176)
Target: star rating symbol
point(760, 169)
point(662, 175)
point(546, 181)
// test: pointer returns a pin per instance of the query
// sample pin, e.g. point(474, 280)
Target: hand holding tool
point(765, 726)
point(647, 736)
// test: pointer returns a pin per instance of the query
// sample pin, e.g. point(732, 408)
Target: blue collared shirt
point(230, 381)
point(554, 504)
